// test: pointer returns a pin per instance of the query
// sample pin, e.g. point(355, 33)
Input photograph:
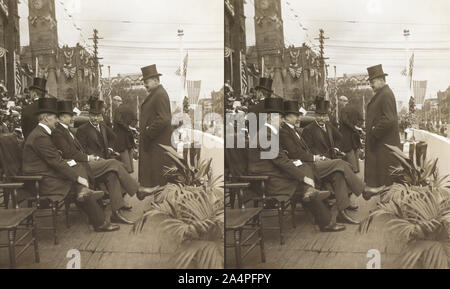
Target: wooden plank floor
point(307, 247)
point(121, 249)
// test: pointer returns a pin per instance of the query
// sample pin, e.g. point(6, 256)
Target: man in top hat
point(337, 173)
point(61, 177)
point(381, 128)
point(263, 90)
point(110, 172)
point(320, 135)
point(350, 120)
point(95, 137)
point(289, 176)
point(29, 118)
point(155, 125)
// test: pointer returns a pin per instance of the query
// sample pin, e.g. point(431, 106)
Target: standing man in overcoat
point(382, 128)
point(155, 126)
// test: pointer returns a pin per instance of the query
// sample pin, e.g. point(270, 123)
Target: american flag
point(185, 62)
point(244, 80)
point(17, 74)
point(411, 68)
point(193, 89)
point(420, 89)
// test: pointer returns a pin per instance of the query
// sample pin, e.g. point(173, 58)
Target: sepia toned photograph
point(336, 149)
point(106, 107)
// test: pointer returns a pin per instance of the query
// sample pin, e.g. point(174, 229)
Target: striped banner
point(244, 80)
point(17, 74)
point(193, 89)
point(420, 89)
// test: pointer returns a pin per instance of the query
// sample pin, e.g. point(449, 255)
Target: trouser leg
point(341, 190)
point(320, 211)
point(129, 184)
point(355, 184)
point(126, 158)
point(92, 209)
point(115, 190)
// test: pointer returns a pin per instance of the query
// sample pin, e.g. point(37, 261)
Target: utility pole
point(322, 53)
point(96, 61)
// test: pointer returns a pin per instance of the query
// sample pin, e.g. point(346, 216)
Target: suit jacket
point(29, 119)
point(70, 147)
point(155, 125)
point(284, 175)
point(41, 157)
point(321, 142)
point(293, 143)
point(94, 142)
point(381, 128)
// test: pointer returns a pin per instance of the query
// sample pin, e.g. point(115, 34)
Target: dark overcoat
point(321, 142)
point(382, 128)
point(29, 119)
point(348, 118)
point(124, 117)
point(155, 125)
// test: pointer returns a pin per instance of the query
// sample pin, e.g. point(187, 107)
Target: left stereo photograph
point(111, 134)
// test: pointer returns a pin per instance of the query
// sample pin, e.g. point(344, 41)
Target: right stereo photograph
point(337, 154)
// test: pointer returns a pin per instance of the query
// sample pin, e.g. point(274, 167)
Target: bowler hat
point(375, 71)
point(65, 106)
point(149, 72)
point(291, 106)
point(47, 105)
point(39, 84)
point(96, 106)
point(273, 105)
point(265, 84)
point(322, 106)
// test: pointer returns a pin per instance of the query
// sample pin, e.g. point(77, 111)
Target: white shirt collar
point(272, 128)
point(64, 125)
point(47, 129)
point(321, 126)
point(289, 125)
point(97, 127)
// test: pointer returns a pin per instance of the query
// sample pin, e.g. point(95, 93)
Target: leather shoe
point(117, 217)
point(343, 217)
point(333, 228)
point(144, 192)
point(370, 192)
point(86, 192)
point(107, 227)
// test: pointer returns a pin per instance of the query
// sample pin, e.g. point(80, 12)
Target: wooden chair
point(236, 160)
point(48, 205)
point(242, 219)
point(13, 220)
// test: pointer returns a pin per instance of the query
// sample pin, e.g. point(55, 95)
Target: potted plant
point(418, 211)
point(191, 205)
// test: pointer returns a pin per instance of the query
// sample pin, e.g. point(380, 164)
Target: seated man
point(111, 172)
point(337, 172)
point(95, 137)
point(60, 177)
point(287, 176)
point(320, 135)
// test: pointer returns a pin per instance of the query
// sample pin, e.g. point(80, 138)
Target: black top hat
point(322, 106)
point(273, 105)
point(47, 105)
point(149, 71)
point(375, 71)
point(39, 84)
point(96, 106)
point(265, 84)
point(291, 106)
point(65, 106)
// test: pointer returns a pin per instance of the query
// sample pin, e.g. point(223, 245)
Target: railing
point(438, 147)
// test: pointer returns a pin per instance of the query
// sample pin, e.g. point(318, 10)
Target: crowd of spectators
point(11, 110)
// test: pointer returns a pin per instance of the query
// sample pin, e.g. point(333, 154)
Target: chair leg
point(293, 206)
point(37, 258)
point(237, 248)
point(66, 211)
point(12, 248)
point(55, 222)
point(261, 239)
point(281, 221)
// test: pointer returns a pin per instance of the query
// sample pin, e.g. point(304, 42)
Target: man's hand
point(82, 181)
point(308, 181)
point(91, 158)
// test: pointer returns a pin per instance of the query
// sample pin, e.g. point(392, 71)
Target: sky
point(368, 32)
point(137, 33)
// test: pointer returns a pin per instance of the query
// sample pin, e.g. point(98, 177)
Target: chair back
point(11, 154)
